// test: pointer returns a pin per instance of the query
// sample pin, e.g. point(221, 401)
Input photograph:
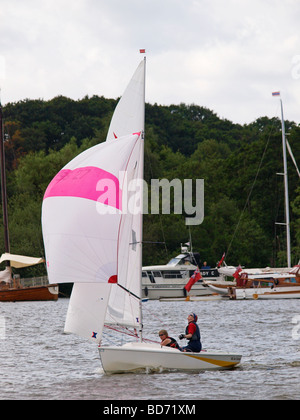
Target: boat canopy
point(20, 261)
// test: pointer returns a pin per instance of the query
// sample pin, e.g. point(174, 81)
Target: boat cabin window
point(291, 280)
point(156, 273)
point(171, 274)
point(267, 284)
point(174, 261)
point(186, 260)
point(151, 277)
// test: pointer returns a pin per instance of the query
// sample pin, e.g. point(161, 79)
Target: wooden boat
point(261, 284)
point(11, 289)
point(33, 293)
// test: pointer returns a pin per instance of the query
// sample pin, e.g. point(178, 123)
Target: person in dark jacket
point(166, 340)
point(192, 334)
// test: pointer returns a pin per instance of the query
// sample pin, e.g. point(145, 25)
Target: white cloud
point(228, 56)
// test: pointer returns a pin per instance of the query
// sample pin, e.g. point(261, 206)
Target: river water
point(40, 362)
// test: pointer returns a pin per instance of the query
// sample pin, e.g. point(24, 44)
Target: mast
point(3, 187)
point(142, 207)
point(285, 175)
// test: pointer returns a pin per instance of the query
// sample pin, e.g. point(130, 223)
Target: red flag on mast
point(194, 278)
point(221, 261)
point(142, 51)
point(236, 274)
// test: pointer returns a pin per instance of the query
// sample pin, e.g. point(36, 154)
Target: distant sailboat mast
point(286, 188)
point(3, 186)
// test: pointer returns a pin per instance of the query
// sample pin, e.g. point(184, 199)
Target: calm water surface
point(39, 361)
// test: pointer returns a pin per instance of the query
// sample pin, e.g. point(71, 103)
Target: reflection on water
point(39, 361)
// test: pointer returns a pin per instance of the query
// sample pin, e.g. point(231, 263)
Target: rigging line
point(121, 329)
point(192, 255)
point(292, 157)
point(147, 340)
point(128, 291)
point(153, 314)
point(251, 189)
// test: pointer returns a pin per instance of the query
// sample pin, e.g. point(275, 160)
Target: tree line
point(243, 193)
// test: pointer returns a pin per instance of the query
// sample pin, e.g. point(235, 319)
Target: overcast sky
point(226, 55)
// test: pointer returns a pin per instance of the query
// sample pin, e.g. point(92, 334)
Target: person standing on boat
point(166, 340)
point(205, 266)
point(192, 333)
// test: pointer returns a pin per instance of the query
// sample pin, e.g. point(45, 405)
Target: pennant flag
point(194, 278)
point(221, 261)
point(142, 51)
point(275, 93)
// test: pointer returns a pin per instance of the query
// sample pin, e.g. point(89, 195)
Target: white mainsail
point(93, 233)
point(129, 115)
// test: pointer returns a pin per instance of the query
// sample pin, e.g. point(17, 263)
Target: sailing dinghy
point(92, 229)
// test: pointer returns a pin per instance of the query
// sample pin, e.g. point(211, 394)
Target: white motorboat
point(169, 281)
point(91, 240)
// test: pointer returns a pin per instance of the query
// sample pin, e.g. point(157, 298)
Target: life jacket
point(196, 335)
point(173, 343)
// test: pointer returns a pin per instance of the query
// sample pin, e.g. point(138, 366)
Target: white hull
point(169, 281)
point(214, 296)
point(141, 356)
point(267, 293)
point(292, 292)
point(160, 291)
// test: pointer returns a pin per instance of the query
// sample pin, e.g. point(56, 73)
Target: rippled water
point(38, 361)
